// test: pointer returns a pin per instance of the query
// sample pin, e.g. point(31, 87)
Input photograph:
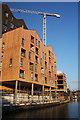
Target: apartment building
point(26, 62)
point(9, 22)
point(61, 83)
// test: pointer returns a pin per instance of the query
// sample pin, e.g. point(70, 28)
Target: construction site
point(28, 67)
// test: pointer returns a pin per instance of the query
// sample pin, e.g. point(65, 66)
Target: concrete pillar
point(32, 91)
point(56, 94)
point(50, 94)
point(16, 85)
point(43, 93)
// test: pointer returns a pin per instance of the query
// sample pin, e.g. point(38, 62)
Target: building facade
point(26, 62)
point(61, 84)
point(9, 22)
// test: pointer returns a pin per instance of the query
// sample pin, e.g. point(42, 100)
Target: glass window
point(45, 71)
point(10, 62)
point(22, 41)
point(36, 77)
point(11, 25)
point(6, 14)
point(2, 54)
point(21, 62)
point(6, 20)
point(41, 61)
point(45, 80)
point(29, 55)
point(45, 56)
point(3, 45)
point(22, 52)
point(0, 64)
point(35, 67)
point(31, 75)
point(36, 41)
point(11, 18)
point(42, 79)
point(4, 27)
point(21, 74)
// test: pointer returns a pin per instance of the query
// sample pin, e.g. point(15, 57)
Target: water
point(69, 110)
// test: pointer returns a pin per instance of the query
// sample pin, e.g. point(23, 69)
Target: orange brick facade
point(14, 51)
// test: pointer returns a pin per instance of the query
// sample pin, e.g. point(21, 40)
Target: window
point(36, 59)
point(42, 79)
point(32, 39)
point(32, 47)
point(52, 74)
point(4, 27)
point(49, 60)
point(6, 14)
point(23, 52)
point(36, 50)
point(42, 70)
point(50, 81)
point(3, 45)
point(21, 62)
point(45, 80)
point(16, 27)
point(22, 41)
point(29, 55)
point(2, 54)
point(45, 56)
point(45, 71)
point(48, 66)
point(31, 75)
point(10, 62)
point(0, 64)
point(52, 68)
point(40, 61)
point(49, 74)
point(49, 53)
point(31, 66)
point(35, 67)
point(6, 20)
point(11, 25)
point(11, 18)
point(21, 74)
point(36, 77)
point(38, 43)
point(45, 64)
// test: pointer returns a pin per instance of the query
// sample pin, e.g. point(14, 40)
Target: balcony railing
point(21, 75)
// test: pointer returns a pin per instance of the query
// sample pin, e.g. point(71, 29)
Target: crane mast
point(44, 19)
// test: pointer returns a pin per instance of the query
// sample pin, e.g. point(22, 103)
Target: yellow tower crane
point(44, 19)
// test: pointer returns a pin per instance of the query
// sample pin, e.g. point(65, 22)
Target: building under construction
point(29, 68)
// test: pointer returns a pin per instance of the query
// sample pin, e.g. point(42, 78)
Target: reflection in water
point(69, 110)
